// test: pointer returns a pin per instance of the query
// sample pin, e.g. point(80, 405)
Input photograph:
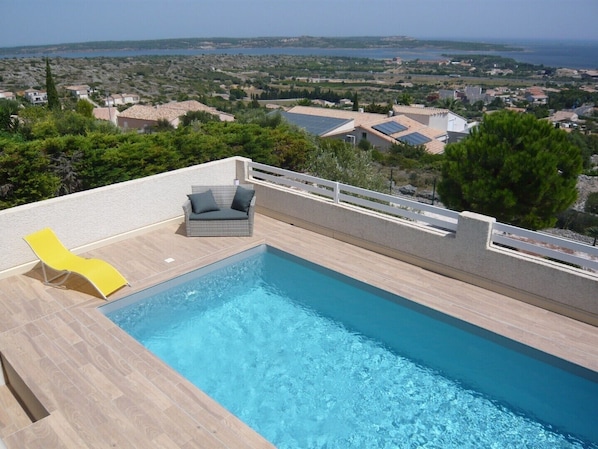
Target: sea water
point(312, 359)
point(574, 54)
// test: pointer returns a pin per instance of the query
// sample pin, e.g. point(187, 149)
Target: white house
point(79, 92)
point(121, 99)
point(36, 96)
point(455, 126)
point(441, 119)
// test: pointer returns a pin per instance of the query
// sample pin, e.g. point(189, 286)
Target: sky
point(45, 22)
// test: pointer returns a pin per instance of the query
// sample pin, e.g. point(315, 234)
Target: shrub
point(591, 205)
point(576, 221)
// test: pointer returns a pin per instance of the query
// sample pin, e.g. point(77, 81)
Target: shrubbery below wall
point(44, 168)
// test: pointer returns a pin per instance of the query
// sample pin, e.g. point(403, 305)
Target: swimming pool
point(310, 359)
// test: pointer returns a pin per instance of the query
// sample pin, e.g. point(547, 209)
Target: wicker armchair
point(224, 219)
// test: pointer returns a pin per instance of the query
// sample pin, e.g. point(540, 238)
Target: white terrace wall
point(92, 218)
point(466, 255)
point(96, 217)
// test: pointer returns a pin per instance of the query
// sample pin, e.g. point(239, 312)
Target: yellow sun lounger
point(52, 253)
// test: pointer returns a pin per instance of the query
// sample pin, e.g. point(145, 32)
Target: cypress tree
point(53, 100)
point(355, 102)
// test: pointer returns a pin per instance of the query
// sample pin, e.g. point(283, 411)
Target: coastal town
point(439, 100)
point(368, 103)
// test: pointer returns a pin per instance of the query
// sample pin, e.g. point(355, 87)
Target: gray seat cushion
point(222, 214)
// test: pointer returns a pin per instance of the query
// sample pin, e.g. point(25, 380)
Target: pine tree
point(53, 100)
point(514, 167)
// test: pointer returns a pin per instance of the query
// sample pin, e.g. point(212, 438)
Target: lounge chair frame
point(47, 281)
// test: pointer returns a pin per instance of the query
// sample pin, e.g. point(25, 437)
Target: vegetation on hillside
point(338, 161)
point(63, 149)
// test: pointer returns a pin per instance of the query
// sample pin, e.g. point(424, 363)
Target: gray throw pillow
point(242, 199)
point(203, 202)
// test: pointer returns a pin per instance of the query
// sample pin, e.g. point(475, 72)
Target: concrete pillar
point(474, 232)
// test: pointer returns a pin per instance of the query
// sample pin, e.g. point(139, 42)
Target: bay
point(556, 54)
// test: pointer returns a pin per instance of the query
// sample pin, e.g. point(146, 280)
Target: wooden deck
point(101, 389)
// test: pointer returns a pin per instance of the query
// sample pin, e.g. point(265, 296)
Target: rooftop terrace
point(84, 383)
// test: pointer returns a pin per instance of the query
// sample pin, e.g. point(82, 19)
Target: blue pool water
point(312, 359)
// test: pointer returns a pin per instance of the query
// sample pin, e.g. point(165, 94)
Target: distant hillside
point(260, 42)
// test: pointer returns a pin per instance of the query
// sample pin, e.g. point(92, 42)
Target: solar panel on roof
point(389, 128)
point(414, 139)
point(314, 124)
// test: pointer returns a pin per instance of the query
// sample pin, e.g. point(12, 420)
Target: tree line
point(61, 152)
point(274, 93)
point(514, 167)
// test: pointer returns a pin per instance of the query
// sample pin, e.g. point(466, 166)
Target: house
point(536, 96)
point(567, 73)
point(434, 61)
point(444, 120)
point(474, 93)
point(564, 119)
point(35, 96)
point(121, 99)
point(400, 128)
point(591, 75)
point(321, 125)
point(7, 95)
point(380, 130)
point(499, 72)
point(564, 116)
point(79, 92)
point(447, 93)
point(324, 103)
point(145, 117)
point(502, 93)
point(108, 114)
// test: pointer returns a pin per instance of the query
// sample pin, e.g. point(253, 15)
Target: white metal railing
point(530, 242)
point(545, 245)
point(342, 193)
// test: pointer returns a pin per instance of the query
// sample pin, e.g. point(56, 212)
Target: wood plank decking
point(101, 389)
